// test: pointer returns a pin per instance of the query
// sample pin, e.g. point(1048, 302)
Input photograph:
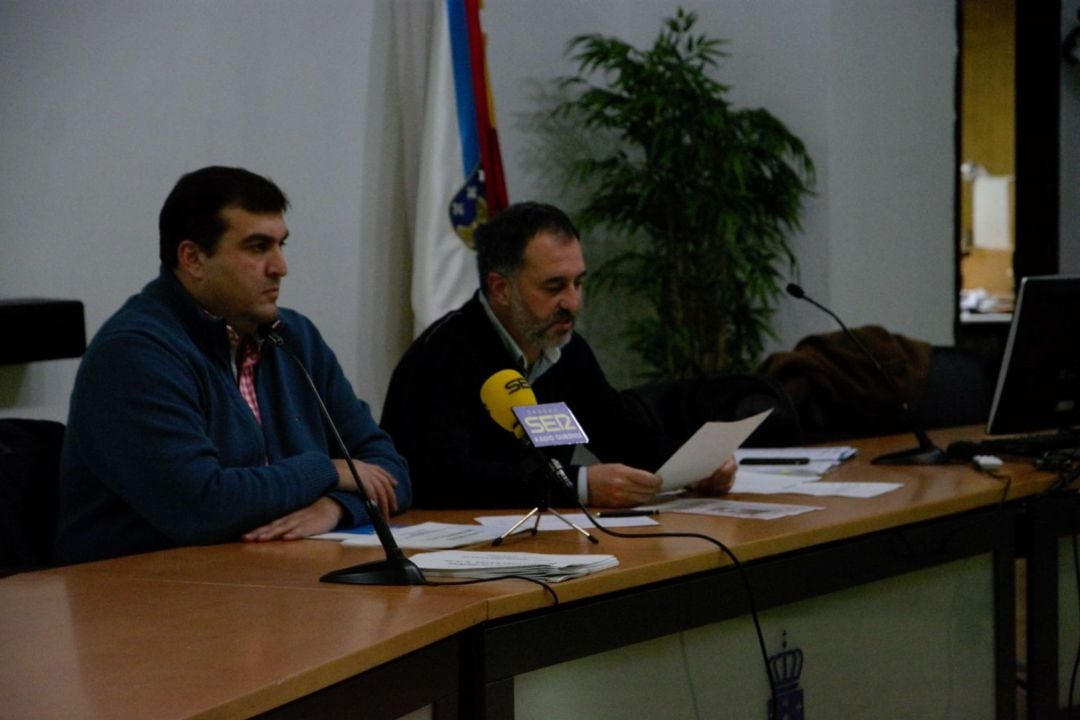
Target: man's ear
point(189, 259)
point(498, 289)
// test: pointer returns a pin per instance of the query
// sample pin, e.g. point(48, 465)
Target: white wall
point(105, 104)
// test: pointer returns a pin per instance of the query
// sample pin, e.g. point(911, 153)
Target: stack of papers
point(424, 536)
point(444, 536)
point(733, 508)
point(482, 565)
point(802, 461)
point(502, 523)
point(799, 471)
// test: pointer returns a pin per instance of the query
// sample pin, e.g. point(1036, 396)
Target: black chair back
point(29, 468)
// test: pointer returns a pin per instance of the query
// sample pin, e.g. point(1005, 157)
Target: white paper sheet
point(991, 208)
point(476, 564)
point(426, 536)
point(706, 450)
point(833, 454)
point(734, 508)
point(845, 489)
point(766, 483)
point(502, 523)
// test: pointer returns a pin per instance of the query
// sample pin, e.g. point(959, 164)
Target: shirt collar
point(236, 340)
point(548, 356)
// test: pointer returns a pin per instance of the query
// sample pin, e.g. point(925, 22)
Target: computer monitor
point(1038, 387)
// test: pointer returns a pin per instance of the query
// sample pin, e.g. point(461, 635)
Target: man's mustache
point(562, 316)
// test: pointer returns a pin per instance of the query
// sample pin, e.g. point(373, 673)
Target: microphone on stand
point(500, 394)
point(396, 569)
point(926, 453)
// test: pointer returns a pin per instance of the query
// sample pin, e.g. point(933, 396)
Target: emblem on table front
point(785, 668)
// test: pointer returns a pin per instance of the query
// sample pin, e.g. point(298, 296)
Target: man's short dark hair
point(191, 212)
point(501, 241)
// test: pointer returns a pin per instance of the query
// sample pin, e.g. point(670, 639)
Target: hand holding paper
point(706, 450)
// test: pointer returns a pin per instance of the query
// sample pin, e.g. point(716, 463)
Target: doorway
point(1008, 159)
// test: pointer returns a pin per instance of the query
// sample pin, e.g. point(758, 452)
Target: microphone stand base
point(382, 572)
point(929, 455)
point(536, 513)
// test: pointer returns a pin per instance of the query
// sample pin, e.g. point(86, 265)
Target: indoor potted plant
point(701, 197)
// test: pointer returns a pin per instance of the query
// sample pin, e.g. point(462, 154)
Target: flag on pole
point(461, 176)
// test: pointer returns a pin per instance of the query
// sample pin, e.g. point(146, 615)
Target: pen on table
point(775, 461)
point(626, 513)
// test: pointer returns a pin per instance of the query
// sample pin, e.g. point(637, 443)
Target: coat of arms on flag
point(477, 200)
point(460, 180)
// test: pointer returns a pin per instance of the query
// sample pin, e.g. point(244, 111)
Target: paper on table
point(845, 489)
point(426, 535)
point(346, 534)
point(502, 523)
point(706, 450)
point(811, 470)
point(734, 508)
point(552, 568)
point(761, 483)
point(766, 483)
point(833, 454)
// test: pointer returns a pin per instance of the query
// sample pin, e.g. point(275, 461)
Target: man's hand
point(614, 485)
point(718, 483)
point(378, 484)
point(320, 516)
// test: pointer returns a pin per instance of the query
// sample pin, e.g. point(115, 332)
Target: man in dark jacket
point(531, 272)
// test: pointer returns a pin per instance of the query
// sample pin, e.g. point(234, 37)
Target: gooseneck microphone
point(926, 453)
point(396, 569)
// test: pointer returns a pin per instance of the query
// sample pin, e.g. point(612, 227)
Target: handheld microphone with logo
point(396, 569)
point(511, 402)
point(501, 393)
point(926, 453)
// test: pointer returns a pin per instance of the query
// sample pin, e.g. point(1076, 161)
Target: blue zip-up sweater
point(161, 450)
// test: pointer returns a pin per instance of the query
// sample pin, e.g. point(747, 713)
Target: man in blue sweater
point(185, 427)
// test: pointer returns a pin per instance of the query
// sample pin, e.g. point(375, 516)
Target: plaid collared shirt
point(247, 354)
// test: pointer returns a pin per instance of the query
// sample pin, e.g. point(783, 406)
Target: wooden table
point(237, 630)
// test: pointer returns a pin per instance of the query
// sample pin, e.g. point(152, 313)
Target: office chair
point(958, 390)
point(29, 469)
point(677, 408)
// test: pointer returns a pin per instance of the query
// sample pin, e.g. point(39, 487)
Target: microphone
point(506, 390)
point(926, 453)
point(500, 394)
point(396, 569)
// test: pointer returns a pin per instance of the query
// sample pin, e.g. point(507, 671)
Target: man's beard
point(538, 330)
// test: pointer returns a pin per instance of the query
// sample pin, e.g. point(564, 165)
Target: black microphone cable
point(1068, 474)
point(1004, 478)
point(499, 388)
point(1068, 468)
point(1076, 659)
point(396, 569)
point(742, 576)
point(412, 574)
